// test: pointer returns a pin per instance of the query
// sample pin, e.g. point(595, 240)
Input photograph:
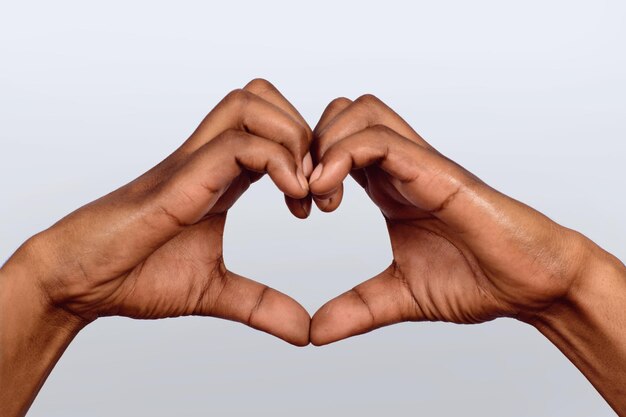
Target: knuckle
point(282, 153)
point(275, 150)
point(379, 127)
point(259, 85)
point(302, 134)
point(280, 160)
point(339, 102)
point(238, 96)
point(308, 133)
point(336, 150)
point(381, 130)
point(295, 138)
point(367, 100)
point(320, 146)
point(231, 137)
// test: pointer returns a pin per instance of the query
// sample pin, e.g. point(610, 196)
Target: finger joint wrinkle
point(207, 284)
point(223, 278)
point(358, 293)
point(257, 305)
point(448, 200)
point(171, 216)
point(397, 273)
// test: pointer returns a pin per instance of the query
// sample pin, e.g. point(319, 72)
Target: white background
point(530, 96)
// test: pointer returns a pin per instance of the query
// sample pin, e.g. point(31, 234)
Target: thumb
point(380, 301)
point(258, 306)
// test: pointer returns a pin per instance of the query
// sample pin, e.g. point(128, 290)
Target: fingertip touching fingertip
point(316, 174)
point(320, 338)
point(307, 164)
point(304, 184)
point(306, 207)
point(299, 342)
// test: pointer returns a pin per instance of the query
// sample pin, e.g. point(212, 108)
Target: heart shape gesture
point(462, 252)
point(153, 248)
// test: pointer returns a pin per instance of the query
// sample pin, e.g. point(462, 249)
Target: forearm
point(589, 327)
point(33, 335)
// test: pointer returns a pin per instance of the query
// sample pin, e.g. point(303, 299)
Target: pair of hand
point(462, 252)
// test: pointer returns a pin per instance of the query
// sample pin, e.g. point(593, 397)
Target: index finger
point(366, 111)
point(331, 111)
point(246, 111)
point(267, 91)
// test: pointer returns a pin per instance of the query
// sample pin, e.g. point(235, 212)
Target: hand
point(153, 248)
point(462, 252)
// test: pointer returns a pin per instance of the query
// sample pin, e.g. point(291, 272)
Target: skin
point(153, 248)
point(463, 252)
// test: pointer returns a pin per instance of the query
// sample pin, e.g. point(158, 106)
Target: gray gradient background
point(530, 96)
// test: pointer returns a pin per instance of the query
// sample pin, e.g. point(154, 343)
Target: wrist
point(33, 333)
point(589, 324)
point(26, 279)
point(598, 279)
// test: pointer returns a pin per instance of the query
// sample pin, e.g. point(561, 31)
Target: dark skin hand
point(181, 205)
point(462, 251)
point(153, 248)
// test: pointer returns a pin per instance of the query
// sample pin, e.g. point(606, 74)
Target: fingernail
point(306, 206)
point(307, 164)
point(302, 180)
point(322, 204)
point(317, 172)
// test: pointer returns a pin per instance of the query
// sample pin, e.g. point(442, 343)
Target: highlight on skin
point(462, 251)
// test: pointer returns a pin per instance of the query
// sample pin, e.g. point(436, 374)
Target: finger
point(428, 180)
point(364, 112)
point(299, 207)
point(271, 94)
point(343, 108)
point(192, 191)
point(380, 301)
point(333, 108)
point(330, 201)
point(258, 306)
point(243, 110)
point(267, 91)
point(186, 276)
